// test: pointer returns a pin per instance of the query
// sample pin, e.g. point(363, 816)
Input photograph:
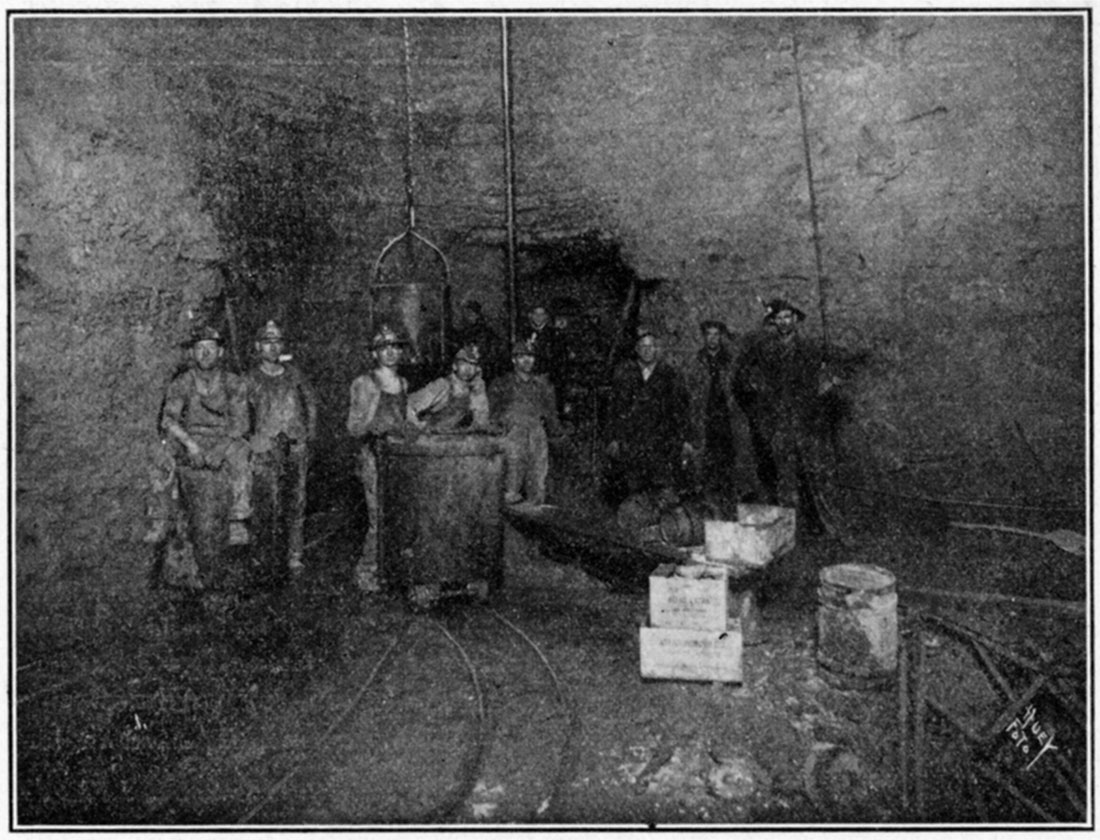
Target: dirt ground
point(311, 705)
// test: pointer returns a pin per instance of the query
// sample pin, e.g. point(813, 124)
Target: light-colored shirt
point(444, 402)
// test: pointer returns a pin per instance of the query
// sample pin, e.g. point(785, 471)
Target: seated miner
point(726, 468)
point(779, 381)
point(377, 410)
point(284, 422)
point(206, 414)
point(522, 404)
point(648, 428)
point(454, 402)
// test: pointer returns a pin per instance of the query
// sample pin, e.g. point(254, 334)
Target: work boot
point(295, 564)
point(238, 534)
point(158, 532)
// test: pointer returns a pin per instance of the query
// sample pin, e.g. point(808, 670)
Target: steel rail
point(340, 719)
point(568, 759)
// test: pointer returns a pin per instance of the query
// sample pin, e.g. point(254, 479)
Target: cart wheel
point(423, 597)
point(479, 589)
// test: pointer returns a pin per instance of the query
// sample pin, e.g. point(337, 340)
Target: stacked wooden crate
point(690, 635)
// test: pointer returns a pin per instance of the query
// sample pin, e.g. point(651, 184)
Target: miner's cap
point(523, 348)
point(269, 332)
point(206, 333)
point(386, 336)
point(470, 353)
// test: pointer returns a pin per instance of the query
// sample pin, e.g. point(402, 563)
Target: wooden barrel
point(440, 522)
point(684, 524)
point(857, 626)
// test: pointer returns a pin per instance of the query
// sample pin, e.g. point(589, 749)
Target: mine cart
point(440, 527)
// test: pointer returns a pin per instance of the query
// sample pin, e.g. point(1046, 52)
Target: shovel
point(1069, 541)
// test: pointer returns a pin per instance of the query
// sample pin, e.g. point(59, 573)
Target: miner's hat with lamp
point(470, 354)
point(776, 305)
point(386, 336)
point(203, 333)
point(523, 348)
point(269, 332)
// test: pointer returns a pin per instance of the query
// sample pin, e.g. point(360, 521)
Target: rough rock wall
point(160, 162)
point(947, 170)
point(113, 249)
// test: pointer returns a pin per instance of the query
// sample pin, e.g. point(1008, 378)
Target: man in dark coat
point(648, 431)
point(779, 382)
point(727, 469)
point(544, 338)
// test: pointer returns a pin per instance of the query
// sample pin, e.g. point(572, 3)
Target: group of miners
point(254, 430)
point(520, 404)
point(739, 425)
point(728, 425)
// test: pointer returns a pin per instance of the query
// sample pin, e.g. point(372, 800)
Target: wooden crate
point(760, 533)
point(691, 597)
point(676, 653)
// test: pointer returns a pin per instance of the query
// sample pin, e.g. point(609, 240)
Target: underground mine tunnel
point(912, 185)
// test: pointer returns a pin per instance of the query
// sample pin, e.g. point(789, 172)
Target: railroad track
point(499, 745)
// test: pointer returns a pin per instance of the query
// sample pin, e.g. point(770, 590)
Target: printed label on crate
point(689, 596)
point(683, 654)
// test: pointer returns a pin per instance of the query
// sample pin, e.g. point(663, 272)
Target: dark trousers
point(279, 503)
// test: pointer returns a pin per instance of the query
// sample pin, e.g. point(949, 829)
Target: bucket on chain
point(857, 626)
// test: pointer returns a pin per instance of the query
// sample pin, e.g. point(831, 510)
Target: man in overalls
point(206, 416)
point(378, 408)
point(284, 414)
point(523, 404)
point(453, 402)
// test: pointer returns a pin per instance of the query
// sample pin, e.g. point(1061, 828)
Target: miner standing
point(284, 423)
point(523, 404)
point(649, 432)
point(206, 414)
point(779, 382)
point(378, 408)
point(726, 459)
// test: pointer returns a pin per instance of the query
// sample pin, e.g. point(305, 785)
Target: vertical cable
point(821, 281)
point(509, 173)
point(410, 209)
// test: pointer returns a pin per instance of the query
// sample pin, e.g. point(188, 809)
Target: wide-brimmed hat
point(710, 323)
point(776, 305)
